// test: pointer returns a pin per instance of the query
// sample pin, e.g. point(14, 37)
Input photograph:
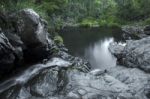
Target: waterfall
point(31, 72)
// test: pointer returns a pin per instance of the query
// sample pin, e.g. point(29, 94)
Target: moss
point(147, 21)
point(114, 25)
point(58, 39)
point(55, 51)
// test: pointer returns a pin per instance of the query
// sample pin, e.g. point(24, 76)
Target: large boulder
point(135, 54)
point(136, 79)
point(32, 30)
point(24, 39)
point(30, 27)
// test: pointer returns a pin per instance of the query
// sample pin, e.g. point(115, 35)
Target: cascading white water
point(31, 72)
point(36, 68)
point(99, 55)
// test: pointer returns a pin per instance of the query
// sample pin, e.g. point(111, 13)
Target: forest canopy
point(85, 12)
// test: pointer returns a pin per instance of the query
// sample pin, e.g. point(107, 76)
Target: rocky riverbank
point(135, 32)
point(58, 75)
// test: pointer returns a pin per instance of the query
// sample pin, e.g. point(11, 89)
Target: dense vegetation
point(60, 13)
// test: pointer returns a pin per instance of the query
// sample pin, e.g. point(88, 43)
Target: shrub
point(88, 22)
point(58, 39)
point(147, 21)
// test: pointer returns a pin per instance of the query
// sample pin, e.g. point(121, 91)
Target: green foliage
point(88, 22)
point(58, 39)
point(88, 13)
point(133, 10)
point(109, 23)
point(147, 21)
point(44, 7)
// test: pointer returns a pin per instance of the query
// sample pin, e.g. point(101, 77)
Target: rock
point(7, 57)
point(117, 49)
point(135, 54)
point(134, 32)
point(48, 83)
point(18, 45)
point(147, 30)
point(25, 39)
point(32, 30)
point(63, 83)
point(68, 82)
point(79, 63)
point(96, 87)
point(136, 79)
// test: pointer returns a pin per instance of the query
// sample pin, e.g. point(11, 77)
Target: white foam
point(36, 68)
point(122, 44)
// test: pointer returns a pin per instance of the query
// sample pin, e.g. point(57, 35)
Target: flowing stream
point(31, 72)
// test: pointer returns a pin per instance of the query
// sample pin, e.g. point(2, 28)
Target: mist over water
point(99, 55)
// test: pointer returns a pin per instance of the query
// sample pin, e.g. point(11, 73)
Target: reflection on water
point(92, 44)
point(99, 55)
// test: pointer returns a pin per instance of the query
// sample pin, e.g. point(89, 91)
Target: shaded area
point(77, 39)
point(92, 44)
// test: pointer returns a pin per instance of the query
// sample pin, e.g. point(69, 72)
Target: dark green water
point(91, 44)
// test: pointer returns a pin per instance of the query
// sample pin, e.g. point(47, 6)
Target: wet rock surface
point(23, 38)
point(137, 80)
point(67, 83)
point(62, 76)
point(117, 50)
point(7, 56)
point(32, 30)
point(135, 32)
point(136, 54)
